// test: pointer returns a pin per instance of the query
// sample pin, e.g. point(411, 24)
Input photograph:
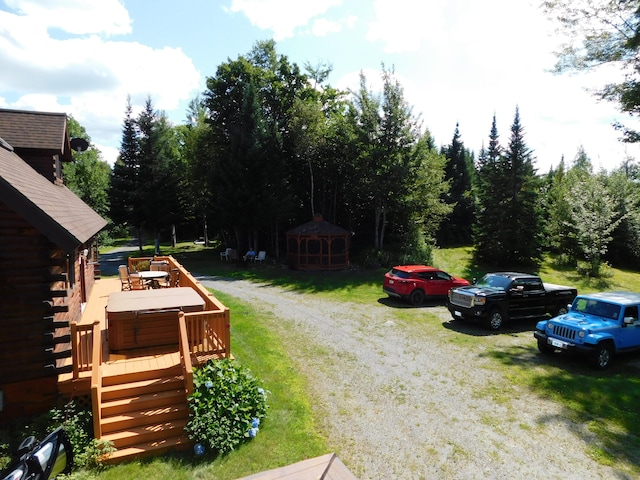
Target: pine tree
point(507, 232)
point(490, 201)
point(124, 191)
point(521, 232)
point(456, 229)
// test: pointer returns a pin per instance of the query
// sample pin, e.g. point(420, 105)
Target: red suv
point(415, 282)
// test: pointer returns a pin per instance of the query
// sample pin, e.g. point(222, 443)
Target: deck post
point(185, 354)
point(96, 380)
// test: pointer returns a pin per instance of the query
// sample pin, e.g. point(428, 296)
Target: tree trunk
point(313, 210)
point(205, 230)
point(173, 235)
point(139, 232)
point(376, 238)
point(383, 228)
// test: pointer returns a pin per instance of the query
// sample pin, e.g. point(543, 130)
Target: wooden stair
point(144, 413)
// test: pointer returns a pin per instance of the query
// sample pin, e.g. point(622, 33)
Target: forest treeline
point(269, 144)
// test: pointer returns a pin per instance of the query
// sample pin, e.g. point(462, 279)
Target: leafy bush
point(78, 425)
point(227, 406)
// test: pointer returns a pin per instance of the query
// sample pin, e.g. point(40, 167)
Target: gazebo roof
point(318, 226)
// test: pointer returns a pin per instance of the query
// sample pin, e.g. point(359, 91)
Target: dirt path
point(398, 404)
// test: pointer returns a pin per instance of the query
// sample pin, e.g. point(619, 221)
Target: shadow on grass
point(397, 303)
point(605, 401)
point(477, 329)
point(204, 262)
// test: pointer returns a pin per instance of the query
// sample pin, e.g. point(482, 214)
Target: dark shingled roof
point(52, 209)
point(43, 131)
point(318, 227)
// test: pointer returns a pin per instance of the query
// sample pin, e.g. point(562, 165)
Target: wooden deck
point(139, 396)
point(122, 362)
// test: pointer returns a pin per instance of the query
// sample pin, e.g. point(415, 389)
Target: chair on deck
point(136, 281)
point(260, 257)
point(123, 271)
point(159, 266)
point(173, 280)
point(226, 254)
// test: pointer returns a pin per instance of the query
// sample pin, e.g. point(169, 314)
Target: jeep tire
point(601, 356)
point(544, 347)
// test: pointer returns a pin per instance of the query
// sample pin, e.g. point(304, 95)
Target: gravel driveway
point(396, 403)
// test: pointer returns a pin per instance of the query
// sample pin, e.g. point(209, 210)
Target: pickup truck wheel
point(561, 310)
point(417, 297)
point(602, 354)
point(544, 347)
point(494, 322)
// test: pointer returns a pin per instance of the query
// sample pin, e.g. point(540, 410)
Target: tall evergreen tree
point(456, 229)
point(522, 229)
point(124, 192)
point(490, 200)
point(509, 218)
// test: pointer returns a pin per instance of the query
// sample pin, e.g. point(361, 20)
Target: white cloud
point(281, 16)
point(402, 25)
point(87, 76)
point(323, 27)
point(76, 16)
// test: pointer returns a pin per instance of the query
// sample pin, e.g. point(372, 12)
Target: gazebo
point(318, 245)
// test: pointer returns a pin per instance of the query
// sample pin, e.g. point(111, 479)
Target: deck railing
point(83, 340)
point(202, 335)
point(207, 332)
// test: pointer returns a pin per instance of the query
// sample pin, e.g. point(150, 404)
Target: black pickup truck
point(502, 296)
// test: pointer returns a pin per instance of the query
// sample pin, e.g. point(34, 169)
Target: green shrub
point(227, 406)
point(78, 425)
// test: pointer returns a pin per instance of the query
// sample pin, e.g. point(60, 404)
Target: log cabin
point(47, 258)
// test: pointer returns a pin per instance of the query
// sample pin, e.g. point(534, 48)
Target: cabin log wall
point(38, 304)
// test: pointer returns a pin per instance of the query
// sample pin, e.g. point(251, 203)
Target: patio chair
point(225, 255)
point(137, 283)
point(159, 266)
point(173, 280)
point(260, 257)
point(123, 271)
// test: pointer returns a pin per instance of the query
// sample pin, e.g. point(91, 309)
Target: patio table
point(152, 277)
point(148, 318)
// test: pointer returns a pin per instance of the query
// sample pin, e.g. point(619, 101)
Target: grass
point(606, 403)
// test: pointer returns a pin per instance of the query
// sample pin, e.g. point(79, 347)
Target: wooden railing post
point(96, 380)
point(185, 354)
point(75, 346)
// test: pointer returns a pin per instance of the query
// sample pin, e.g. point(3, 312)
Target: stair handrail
point(96, 380)
point(185, 354)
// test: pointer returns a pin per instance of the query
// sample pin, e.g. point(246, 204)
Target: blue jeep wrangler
point(598, 325)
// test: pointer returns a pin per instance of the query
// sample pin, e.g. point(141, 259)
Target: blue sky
point(459, 61)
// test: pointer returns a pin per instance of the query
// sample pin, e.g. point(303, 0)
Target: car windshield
point(497, 282)
point(596, 307)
